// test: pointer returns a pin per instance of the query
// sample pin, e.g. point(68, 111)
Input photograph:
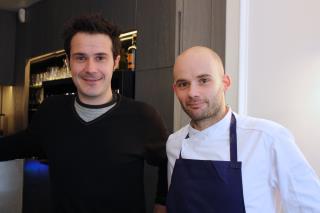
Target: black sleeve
point(157, 134)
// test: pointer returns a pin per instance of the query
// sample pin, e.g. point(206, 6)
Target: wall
point(282, 41)
point(232, 51)
point(155, 55)
point(7, 47)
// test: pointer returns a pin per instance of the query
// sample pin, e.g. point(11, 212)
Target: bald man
point(222, 162)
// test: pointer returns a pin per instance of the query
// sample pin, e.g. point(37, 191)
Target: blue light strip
point(34, 166)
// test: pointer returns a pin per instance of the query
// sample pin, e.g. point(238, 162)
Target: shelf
point(35, 87)
point(41, 64)
point(58, 82)
point(63, 81)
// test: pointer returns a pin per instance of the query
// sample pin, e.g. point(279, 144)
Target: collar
point(221, 126)
point(115, 98)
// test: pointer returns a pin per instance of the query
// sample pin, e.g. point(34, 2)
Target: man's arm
point(157, 134)
point(159, 208)
point(298, 183)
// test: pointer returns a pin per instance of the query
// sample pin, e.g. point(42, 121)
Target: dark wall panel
point(219, 27)
point(46, 19)
point(121, 12)
point(156, 41)
point(7, 46)
point(154, 87)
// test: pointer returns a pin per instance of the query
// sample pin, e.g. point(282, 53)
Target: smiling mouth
point(91, 79)
point(194, 105)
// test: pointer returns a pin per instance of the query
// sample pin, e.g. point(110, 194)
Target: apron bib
point(205, 186)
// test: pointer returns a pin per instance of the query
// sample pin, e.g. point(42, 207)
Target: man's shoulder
point(264, 126)
point(179, 134)
point(142, 114)
point(136, 106)
point(129, 101)
point(56, 101)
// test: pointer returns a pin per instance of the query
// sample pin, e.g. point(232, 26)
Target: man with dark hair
point(96, 143)
point(92, 24)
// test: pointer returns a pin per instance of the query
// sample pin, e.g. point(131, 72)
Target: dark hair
point(92, 24)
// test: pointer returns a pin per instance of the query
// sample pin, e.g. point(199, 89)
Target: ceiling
point(14, 5)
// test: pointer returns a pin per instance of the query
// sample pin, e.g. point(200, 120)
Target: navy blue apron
point(205, 186)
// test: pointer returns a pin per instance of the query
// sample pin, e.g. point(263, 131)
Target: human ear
point(116, 62)
point(226, 81)
point(174, 87)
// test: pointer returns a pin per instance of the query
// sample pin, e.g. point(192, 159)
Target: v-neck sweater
point(96, 166)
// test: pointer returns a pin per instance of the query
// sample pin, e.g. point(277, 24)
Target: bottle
point(65, 67)
point(131, 57)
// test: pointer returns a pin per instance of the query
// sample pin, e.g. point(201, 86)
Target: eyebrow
point(204, 76)
point(180, 80)
point(198, 77)
point(101, 54)
point(82, 54)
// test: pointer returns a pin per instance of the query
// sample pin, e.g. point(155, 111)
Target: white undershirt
point(89, 114)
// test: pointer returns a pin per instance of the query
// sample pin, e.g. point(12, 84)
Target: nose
point(90, 65)
point(193, 90)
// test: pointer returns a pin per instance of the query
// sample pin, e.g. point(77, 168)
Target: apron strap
point(187, 136)
point(181, 148)
point(233, 139)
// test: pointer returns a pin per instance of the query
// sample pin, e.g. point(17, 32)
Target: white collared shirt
point(274, 170)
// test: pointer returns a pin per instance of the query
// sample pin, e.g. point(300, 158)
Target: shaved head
point(200, 83)
point(200, 54)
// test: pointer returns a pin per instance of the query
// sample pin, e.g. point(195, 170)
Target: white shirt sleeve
point(297, 182)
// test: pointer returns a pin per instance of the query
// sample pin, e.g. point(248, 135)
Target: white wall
point(232, 51)
point(283, 67)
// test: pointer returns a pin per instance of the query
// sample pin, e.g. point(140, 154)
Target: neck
point(94, 100)
point(207, 122)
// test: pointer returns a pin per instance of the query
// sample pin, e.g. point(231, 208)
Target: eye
point(182, 84)
point(204, 80)
point(100, 58)
point(80, 58)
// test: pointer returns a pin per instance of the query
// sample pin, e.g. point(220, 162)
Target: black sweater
point(97, 166)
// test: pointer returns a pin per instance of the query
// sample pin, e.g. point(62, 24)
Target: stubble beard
point(211, 113)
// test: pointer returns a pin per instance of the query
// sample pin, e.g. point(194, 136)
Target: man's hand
point(159, 208)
